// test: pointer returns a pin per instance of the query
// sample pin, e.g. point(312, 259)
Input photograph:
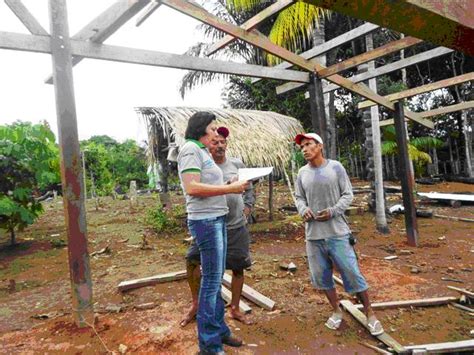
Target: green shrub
point(161, 220)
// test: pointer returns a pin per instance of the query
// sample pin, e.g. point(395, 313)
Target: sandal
point(334, 322)
point(375, 327)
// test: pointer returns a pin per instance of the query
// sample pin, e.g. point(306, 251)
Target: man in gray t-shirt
point(238, 238)
point(323, 192)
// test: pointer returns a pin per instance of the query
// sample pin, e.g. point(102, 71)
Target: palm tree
point(293, 28)
point(417, 148)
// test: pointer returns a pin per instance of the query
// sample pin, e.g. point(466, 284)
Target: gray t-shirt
point(194, 157)
point(236, 202)
point(325, 187)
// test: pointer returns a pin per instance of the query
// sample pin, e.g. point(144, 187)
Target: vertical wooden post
point(318, 113)
point(270, 197)
point(71, 170)
point(406, 175)
point(83, 155)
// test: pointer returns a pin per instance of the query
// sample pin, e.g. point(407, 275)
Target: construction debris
point(252, 295)
point(152, 280)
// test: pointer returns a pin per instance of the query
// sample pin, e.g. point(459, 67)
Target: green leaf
point(7, 206)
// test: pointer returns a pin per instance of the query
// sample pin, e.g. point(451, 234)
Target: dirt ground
point(35, 303)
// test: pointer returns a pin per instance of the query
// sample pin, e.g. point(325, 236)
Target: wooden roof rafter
point(255, 38)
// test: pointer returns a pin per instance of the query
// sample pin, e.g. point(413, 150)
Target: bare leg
point(236, 288)
point(332, 297)
point(364, 299)
point(194, 280)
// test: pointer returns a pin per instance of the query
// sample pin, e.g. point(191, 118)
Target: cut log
point(252, 295)
point(152, 280)
point(412, 303)
point(385, 338)
point(437, 348)
point(374, 348)
point(464, 308)
point(227, 296)
point(463, 291)
point(453, 218)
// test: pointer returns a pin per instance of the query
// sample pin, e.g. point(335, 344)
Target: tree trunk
point(12, 236)
point(467, 130)
point(434, 153)
point(394, 167)
point(376, 156)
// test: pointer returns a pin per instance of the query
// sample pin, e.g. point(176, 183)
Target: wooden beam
point(446, 23)
point(439, 111)
point(448, 109)
point(463, 291)
point(41, 44)
point(26, 18)
point(424, 88)
point(152, 280)
point(407, 177)
point(257, 39)
point(331, 44)
point(388, 68)
point(104, 25)
point(71, 169)
point(252, 23)
point(384, 337)
point(227, 296)
point(252, 295)
point(384, 50)
point(438, 348)
point(412, 303)
point(152, 7)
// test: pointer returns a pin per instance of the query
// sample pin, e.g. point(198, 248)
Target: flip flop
point(333, 323)
point(375, 327)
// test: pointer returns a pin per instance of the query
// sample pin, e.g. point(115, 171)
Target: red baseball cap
point(223, 131)
point(301, 136)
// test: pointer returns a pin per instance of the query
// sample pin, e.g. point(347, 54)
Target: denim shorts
point(323, 254)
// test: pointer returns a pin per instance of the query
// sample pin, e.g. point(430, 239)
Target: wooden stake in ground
point(133, 193)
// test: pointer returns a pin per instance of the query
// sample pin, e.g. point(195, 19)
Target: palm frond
point(243, 5)
point(426, 143)
point(294, 26)
point(389, 147)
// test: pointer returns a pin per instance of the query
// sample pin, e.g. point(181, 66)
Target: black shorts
point(238, 253)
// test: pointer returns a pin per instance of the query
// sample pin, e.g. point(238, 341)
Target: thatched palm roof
point(259, 138)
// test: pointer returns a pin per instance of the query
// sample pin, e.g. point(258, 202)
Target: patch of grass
point(21, 264)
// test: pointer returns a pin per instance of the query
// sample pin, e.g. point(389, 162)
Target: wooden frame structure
point(67, 51)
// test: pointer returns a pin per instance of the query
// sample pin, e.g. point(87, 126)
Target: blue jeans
point(323, 253)
point(211, 238)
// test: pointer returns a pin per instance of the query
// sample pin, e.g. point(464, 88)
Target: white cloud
point(106, 92)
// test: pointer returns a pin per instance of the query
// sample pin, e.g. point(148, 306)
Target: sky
point(105, 92)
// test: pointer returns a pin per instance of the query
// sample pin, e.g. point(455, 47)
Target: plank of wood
point(331, 44)
point(443, 196)
point(455, 346)
point(152, 280)
point(463, 291)
point(385, 338)
point(42, 44)
point(464, 308)
point(337, 280)
point(106, 24)
point(252, 23)
point(381, 51)
point(252, 295)
point(385, 69)
point(422, 89)
point(152, 7)
point(462, 219)
point(227, 296)
point(439, 111)
point(376, 349)
point(412, 303)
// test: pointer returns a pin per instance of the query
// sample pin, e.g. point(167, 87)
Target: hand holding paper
point(250, 174)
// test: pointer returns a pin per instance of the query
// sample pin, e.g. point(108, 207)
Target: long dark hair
point(197, 124)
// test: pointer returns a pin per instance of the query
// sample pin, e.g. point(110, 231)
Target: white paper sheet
point(254, 173)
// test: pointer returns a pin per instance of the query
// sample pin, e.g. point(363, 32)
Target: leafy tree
point(29, 162)
point(110, 163)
